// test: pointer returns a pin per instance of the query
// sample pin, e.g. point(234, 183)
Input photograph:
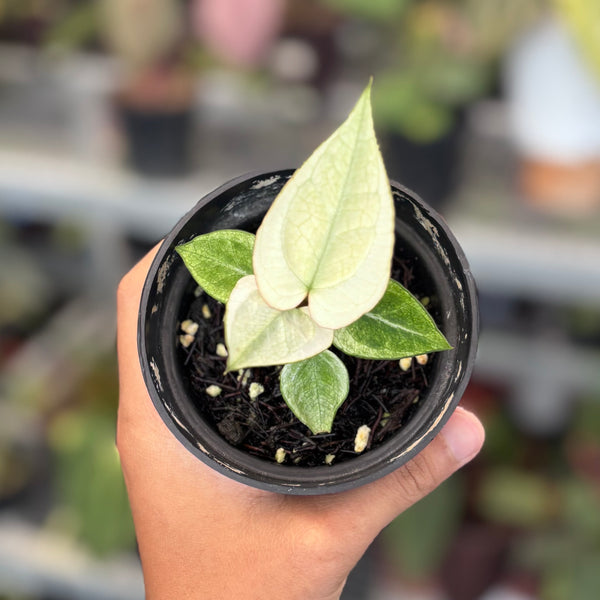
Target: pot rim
point(327, 478)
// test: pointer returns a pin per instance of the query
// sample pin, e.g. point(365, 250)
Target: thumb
point(378, 503)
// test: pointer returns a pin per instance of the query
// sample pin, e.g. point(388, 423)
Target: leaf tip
point(442, 343)
point(364, 100)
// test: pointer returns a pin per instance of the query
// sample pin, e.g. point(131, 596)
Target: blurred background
point(116, 116)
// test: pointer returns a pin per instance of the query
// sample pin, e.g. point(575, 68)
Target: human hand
point(202, 535)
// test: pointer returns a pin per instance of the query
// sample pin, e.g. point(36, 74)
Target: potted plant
point(154, 99)
point(441, 58)
point(283, 370)
point(436, 70)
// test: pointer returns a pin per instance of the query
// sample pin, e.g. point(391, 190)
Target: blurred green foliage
point(74, 27)
point(552, 508)
point(579, 578)
point(586, 421)
point(415, 542)
point(516, 497)
point(375, 10)
point(438, 56)
point(91, 498)
point(18, 9)
point(503, 443)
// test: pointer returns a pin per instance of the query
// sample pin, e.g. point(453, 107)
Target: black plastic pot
point(158, 142)
point(430, 167)
point(241, 204)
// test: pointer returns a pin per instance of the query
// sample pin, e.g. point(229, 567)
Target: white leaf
point(257, 335)
point(329, 234)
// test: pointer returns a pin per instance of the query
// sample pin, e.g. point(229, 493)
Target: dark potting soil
point(382, 395)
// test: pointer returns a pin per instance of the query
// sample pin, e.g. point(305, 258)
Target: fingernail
point(464, 435)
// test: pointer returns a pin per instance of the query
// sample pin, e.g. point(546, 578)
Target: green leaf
point(315, 388)
point(400, 105)
point(399, 326)
point(218, 260)
point(376, 10)
point(329, 234)
point(257, 335)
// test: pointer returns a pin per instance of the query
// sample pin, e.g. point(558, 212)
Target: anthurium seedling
point(316, 275)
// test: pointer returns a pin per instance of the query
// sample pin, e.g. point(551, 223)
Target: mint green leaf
point(314, 389)
point(257, 335)
point(376, 10)
point(329, 234)
point(399, 326)
point(218, 260)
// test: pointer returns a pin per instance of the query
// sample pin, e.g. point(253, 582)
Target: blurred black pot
point(155, 109)
point(157, 142)
point(430, 167)
point(241, 204)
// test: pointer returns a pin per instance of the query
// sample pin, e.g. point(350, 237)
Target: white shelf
point(504, 257)
point(543, 375)
point(58, 189)
point(527, 262)
point(33, 561)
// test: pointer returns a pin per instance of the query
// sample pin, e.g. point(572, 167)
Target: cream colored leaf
point(329, 234)
point(257, 335)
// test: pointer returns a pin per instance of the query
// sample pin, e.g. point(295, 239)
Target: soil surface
point(382, 396)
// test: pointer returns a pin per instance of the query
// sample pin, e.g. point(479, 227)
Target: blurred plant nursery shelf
point(32, 562)
point(516, 256)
